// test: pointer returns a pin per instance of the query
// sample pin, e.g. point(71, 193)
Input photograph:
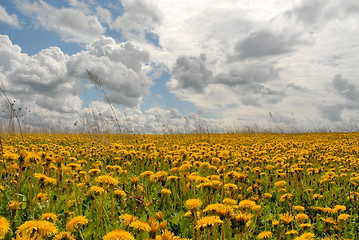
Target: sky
point(180, 66)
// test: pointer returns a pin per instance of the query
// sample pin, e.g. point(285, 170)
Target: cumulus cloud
point(70, 23)
point(8, 19)
point(52, 81)
point(154, 120)
point(191, 73)
point(120, 67)
point(140, 16)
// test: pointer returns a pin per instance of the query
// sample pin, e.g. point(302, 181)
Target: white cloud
point(104, 15)
point(140, 16)
point(51, 81)
point(70, 23)
point(8, 19)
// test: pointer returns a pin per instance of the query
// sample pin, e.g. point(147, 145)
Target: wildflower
point(301, 217)
point(120, 192)
point(305, 225)
point(193, 204)
point(32, 158)
point(14, 205)
point(4, 227)
point(343, 217)
point(141, 226)
point(265, 234)
point(118, 234)
point(159, 216)
point(307, 235)
point(328, 220)
point(127, 219)
point(94, 171)
point(146, 174)
point(338, 208)
point(39, 228)
point(299, 208)
point(107, 180)
point(208, 222)
point(64, 236)
point(230, 186)
point(75, 223)
point(286, 218)
point(246, 204)
point(291, 232)
point(167, 235)
point(229, 201)
point(95, 190)
point(166, 191)
point(285, 197)
point(280, 184)
point(49, 217)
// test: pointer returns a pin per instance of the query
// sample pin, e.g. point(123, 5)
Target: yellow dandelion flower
point(39, 228)
point(307, 235)
point(193, 204)
point(338, 208)
point(166, 191)
point(127, 219)
point(208, 222)
point(107, 180)
point(305, 225)
point(120, 192)
point(286, 218)
point(4, 227)
point(95, 190)
point(49, 217)
point(301, 217)
point(265, 235)
point(246, 204)
point(299, 208)
point(291, 232)
point(118, 234)
point(280, 184)
point(285, 197)
point(75, 223)
point(64, 236)
point(141, 226)
point(343, 217)
point(229, 201)
point(328, 220)
point(14, 205)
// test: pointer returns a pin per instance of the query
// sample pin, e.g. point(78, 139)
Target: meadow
point(179, 186)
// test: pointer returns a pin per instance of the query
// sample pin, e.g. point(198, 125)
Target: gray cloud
point(349, 94)
point(191, 73)
point(263, 43)
point(296, 87)
point(332, 113)
point(313, 12)
point(344, 88)
point(249, 73)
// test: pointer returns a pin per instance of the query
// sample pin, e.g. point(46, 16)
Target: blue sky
point(280, 65)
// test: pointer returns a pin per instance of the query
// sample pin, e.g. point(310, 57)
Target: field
point(190, 186)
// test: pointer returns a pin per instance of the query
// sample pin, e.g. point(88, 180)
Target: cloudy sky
point(181, 66)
